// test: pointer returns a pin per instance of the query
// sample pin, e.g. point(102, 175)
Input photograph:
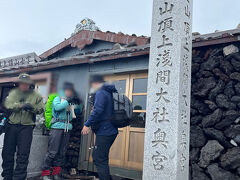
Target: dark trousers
point(101, 155)
point(20, 137)
point(57, 148)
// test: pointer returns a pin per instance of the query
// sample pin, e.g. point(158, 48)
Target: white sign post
point(166, 149)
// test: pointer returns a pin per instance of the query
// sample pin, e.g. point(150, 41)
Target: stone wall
point(72, 154)
point(215, 114)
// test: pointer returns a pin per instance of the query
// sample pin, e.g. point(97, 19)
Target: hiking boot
point(46, 178)
point(57, 177)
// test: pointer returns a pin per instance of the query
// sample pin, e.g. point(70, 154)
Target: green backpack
point(48, 111)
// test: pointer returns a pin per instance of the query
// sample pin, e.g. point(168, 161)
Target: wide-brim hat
point(25, 78)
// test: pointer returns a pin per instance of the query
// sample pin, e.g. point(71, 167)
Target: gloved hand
point(27, 107)
point(69, 100)
point(76, 100)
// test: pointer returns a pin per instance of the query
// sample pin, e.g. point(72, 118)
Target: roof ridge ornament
point(86, 24)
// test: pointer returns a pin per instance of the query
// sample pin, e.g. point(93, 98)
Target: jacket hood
point(109, 87)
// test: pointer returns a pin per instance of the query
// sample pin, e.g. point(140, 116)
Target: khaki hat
point(24, 78)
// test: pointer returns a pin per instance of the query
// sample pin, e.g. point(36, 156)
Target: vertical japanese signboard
point(166, 149)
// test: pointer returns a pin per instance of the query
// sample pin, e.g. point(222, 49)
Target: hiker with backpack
point(60, 110)
point(100, 123)
point(23, 103)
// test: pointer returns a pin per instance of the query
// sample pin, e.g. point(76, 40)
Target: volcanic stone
point(231, 159)
point(210, 64)
point(211, 104)
point(236, 64)
point(198, 173)
point(220, 74)
point(238, 171)
point(231, 49)
point(200, 106)
point(195, 67)
point(215, 134)
point(198, 139)
point(223, 101)
point(194, 155)
point(211, 151)
point(235, 99)
point(204, 74)
point(218, 89)
point(212, 119)
point(229, 117)
point(229, 90)
point(226, 67)
point(235, 76)
point(204, 85)
point(218, 173)
point(193, 112)
point(237, 88)
point(196, 120)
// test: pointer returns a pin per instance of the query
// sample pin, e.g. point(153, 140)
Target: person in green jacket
point(24, 104)
point(65, 107)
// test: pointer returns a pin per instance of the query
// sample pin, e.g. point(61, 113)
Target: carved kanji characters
point(166, 24)
point(185, 78)
point(182, 162)
point(186, 44)
point(184, 116)
point(186, 63)
point(167, 8)
point(184, 95)
point(163, 76)
point(160, 138)
point(157, 115)
point(161, 95)
point(183, 143)
point(165, 42)
point(158, 161)
point(164, 59)
point(187, 28)
point(187, 11)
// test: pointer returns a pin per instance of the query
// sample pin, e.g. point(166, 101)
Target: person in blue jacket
point(100, 122)
point(64, 107)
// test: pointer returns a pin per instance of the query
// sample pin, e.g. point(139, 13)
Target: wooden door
point(117, 153)
point(127, 151)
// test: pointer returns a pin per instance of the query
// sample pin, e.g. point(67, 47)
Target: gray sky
point(37, 25)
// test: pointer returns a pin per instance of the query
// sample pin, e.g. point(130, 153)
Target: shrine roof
point(85, 37)
point(139, 47)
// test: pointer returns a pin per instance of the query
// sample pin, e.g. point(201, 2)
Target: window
point(139, 100)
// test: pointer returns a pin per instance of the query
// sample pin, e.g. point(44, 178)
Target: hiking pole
point(89, 152)
point(67, 122)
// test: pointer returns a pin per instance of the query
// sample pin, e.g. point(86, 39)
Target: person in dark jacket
point(100, 122)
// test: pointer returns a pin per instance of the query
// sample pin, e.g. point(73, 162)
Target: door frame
point(124, 162)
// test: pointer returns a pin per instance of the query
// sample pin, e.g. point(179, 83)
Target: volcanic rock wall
point(215, 114)
point(72, 155)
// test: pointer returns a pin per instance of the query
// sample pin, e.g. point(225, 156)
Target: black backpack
point(122, 110)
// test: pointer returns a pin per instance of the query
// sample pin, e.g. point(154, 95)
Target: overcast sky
point(37, 25)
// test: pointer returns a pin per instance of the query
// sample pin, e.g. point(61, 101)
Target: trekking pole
point(89, 151)
point(68, 120)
